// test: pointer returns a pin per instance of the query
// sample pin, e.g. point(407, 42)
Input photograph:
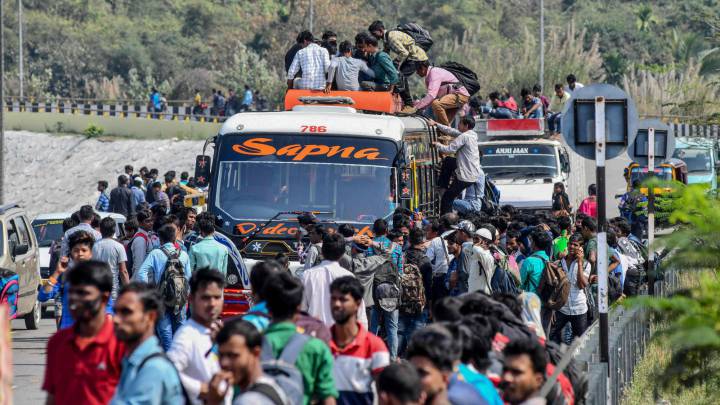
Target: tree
point(645, 20)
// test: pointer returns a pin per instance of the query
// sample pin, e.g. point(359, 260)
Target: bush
point(93, 131)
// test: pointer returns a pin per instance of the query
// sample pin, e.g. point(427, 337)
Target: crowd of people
point(467, 308)
point(219, 104)
point(143, 191)
point(471, 307)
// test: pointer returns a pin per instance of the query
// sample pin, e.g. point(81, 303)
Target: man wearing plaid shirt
point(312, 60)
point(103, 202)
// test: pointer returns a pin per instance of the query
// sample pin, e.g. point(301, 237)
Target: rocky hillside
point(47, 173)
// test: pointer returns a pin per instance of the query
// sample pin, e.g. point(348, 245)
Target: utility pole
point(542, 44)
point(312, 12)
point(20, 39)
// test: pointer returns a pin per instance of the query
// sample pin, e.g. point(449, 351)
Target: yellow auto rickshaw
point(669, 170)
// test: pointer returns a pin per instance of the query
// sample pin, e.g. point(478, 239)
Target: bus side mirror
point(564, 163)
point(202, 171)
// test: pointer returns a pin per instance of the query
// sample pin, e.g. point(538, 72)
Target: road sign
point(598, 122)
point(664, 142)
point(578, 120)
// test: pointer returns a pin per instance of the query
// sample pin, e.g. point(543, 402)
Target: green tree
point(645, 20)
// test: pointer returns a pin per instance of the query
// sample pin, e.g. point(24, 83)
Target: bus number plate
point(313, 128)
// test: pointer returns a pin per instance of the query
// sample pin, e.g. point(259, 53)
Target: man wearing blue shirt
point(138, 195)
point(247, 99)
point(148, 377)
point(532, 267)
point(208, 252)
point(151, 272)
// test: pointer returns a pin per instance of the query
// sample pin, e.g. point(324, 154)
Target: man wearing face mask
point(88, 351)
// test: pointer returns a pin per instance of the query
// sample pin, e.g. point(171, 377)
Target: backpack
point(173, 285)
point(615, 289)
point(554, 287)
point(467, 77)
point(419, 34)
point(502, 282)
point(386, 286)
point(282, 369)
point(268, 391)
point(164, 356)
point(128, 250)
point(9, 289)
point(412, 297)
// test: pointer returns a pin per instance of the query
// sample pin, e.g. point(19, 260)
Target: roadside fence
point(630, 331)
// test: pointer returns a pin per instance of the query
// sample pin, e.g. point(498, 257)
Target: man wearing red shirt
point(359, 355)
point(83, 361)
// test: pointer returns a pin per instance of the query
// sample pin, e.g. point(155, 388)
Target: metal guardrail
point(629, 335)
point(180, 112)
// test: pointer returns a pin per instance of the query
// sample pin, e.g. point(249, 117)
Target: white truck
point(525, 164)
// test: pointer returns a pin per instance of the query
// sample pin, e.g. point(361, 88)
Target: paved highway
point(28, 348)
point(615, 183)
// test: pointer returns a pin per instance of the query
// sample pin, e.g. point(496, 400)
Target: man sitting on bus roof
point(314, 62)
point(501, 109)
point(385, 73)
point(345, 70)
point(445, 93)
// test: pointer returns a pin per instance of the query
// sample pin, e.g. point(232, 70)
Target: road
point(28, 347)
point(615, 182)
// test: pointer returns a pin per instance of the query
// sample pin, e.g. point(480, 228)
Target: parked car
point(48, 228)
point(19, 254)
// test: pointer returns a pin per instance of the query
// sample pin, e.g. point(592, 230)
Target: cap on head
point(465, 226)
point(484, 233)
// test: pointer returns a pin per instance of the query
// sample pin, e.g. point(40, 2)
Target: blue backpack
point(9, 289)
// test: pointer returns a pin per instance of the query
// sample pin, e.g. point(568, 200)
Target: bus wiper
point(503, 173)
point(538, 174)
point(246, 241)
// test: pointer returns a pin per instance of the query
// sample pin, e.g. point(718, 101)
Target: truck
point(701, 157)
point(325, 156)
point(525, 164)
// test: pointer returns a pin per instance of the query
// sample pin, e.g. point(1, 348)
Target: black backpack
point(467, 77)
point(419, 34)
point(173, 285)
point(387, 288)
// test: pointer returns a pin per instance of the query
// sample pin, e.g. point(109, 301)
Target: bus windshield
point(519, 160)
point(350, 177)
point(697, 160)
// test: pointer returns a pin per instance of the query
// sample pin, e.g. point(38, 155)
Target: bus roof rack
point(372, 101)
point(330, 100)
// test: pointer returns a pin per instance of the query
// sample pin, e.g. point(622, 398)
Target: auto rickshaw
point(669, 170)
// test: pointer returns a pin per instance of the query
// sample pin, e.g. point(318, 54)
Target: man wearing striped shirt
point(359, 355)
point(313, 60)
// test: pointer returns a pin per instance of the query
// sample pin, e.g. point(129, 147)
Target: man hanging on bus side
point(467, 153)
